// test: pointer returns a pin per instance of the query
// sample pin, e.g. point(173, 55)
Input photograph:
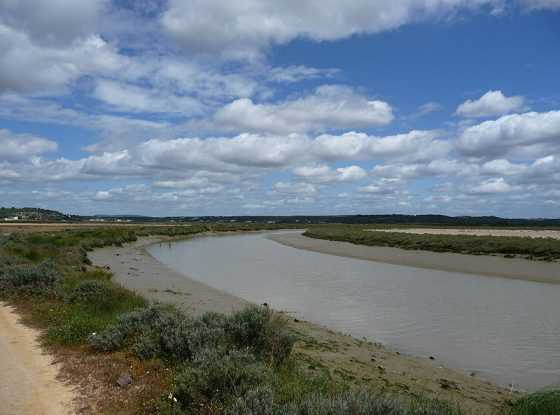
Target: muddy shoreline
point(358, 361)
point(134, 268)
point(513, 268)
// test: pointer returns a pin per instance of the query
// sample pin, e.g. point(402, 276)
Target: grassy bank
point(213, 364)
point(544, 249)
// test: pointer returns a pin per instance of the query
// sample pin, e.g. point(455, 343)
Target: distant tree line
point(394, 219)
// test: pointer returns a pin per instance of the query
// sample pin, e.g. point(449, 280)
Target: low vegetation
point(218, 364)
point(539, 403)
point(546, 249)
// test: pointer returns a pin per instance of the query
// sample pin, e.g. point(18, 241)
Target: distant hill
point(35, 214)
point(420, 220)
point(425, 220)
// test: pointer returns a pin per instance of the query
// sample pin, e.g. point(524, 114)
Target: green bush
point(539, 403)
point(363, 403)
point(177, 338)
point(156, 332)
point(215, 378)
point(30, 279)
point(258, 329)
point(88, 291)
point(125, 328)
point(257, 401)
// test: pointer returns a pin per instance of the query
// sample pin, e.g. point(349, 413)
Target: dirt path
point(28, 378)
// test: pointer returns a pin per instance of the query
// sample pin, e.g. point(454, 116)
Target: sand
point(515, 268)
point(523, 233)
point(345, 357)
point(28, 378)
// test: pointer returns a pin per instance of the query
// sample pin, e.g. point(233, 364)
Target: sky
point(214, 107)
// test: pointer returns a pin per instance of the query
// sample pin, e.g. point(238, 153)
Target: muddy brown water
point(505, 331)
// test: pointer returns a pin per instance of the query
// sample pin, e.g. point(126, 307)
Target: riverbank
point(346, 358)
point(134, 268)
point(29, 381)
point(515, 268)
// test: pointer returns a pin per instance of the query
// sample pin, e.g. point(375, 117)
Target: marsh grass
point(538, 403)
point(546, 249)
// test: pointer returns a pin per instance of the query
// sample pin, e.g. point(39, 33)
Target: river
point(503, 330)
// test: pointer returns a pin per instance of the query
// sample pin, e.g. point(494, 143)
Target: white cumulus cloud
point(523, 134)
point(245, 28)
point(490, 104)
point(492, 186)
point(21, 147)
point(324, 174)
point(131, 98)
point(328, 107)
point(50, 68)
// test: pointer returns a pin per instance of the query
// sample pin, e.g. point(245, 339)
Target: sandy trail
point(28, 378)
point(523, 233)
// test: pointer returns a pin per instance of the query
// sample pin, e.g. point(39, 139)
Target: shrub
point(88, 291)
point(215, 378)
point(126, 326)
point(257, 401)
point(363, 403)
point(175, 337)
point(258, 329)
point(30, 279)
point(155, 332)
point(539, 403)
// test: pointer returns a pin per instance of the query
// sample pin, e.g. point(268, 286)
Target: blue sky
point(218, 108)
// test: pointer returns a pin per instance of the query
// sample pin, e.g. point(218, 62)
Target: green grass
point(539, 403)
point(70, 320)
